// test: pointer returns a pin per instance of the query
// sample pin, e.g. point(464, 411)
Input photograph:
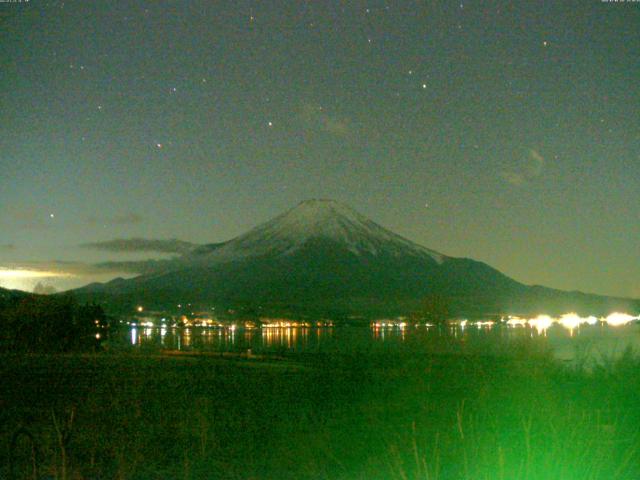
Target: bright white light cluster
point(541, 323)
point(616, 319)
point(570, 321)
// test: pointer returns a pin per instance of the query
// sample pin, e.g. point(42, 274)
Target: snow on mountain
point(317, 220)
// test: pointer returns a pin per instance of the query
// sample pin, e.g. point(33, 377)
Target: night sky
point(507, 132)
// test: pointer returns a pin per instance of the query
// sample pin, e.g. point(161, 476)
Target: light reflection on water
point(230, 340)
point(597, 340)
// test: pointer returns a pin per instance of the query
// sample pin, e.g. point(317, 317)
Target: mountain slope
point(323, 257)
point(6, 294)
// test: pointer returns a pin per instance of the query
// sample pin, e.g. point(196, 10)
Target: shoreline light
point(541, 323)
point(570, 321)
point(516, 322)
point(616, 319)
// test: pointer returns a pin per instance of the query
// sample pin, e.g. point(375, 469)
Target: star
point(51, 215)
point(424, 85)
point(159, 145)
point(545, 43)
point(270, 124)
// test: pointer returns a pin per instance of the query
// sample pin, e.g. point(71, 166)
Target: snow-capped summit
point(319, 220)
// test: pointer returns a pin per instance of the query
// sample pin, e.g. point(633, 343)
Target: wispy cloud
point(23, 271)
point(56, 269)
point(535, 165)
point(130, 218)
point(29, 217)
point(514, 178)
point(318, 118)
point(124, 245)
point(44, 277)
point(336, 126)
point(531, 167)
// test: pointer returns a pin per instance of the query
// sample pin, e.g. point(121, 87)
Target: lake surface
point(584, 343)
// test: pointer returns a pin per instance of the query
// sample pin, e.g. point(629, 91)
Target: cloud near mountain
point(139, 267)
point(130, 245)
point(56, 268)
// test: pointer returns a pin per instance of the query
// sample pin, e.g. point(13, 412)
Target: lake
point(584, 342)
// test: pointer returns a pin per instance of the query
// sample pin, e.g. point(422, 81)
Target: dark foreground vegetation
point(43, 323)
point(361, 415)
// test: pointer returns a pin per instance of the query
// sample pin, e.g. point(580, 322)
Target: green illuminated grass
point(379, 415)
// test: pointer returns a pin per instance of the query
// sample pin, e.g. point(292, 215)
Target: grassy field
point(384, 415)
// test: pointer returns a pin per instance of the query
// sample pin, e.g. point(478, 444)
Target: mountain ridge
point(324, 256)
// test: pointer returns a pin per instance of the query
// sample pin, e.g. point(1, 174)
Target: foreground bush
point(38, 323)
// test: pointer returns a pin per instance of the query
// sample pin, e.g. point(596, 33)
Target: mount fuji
point(323, 258)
